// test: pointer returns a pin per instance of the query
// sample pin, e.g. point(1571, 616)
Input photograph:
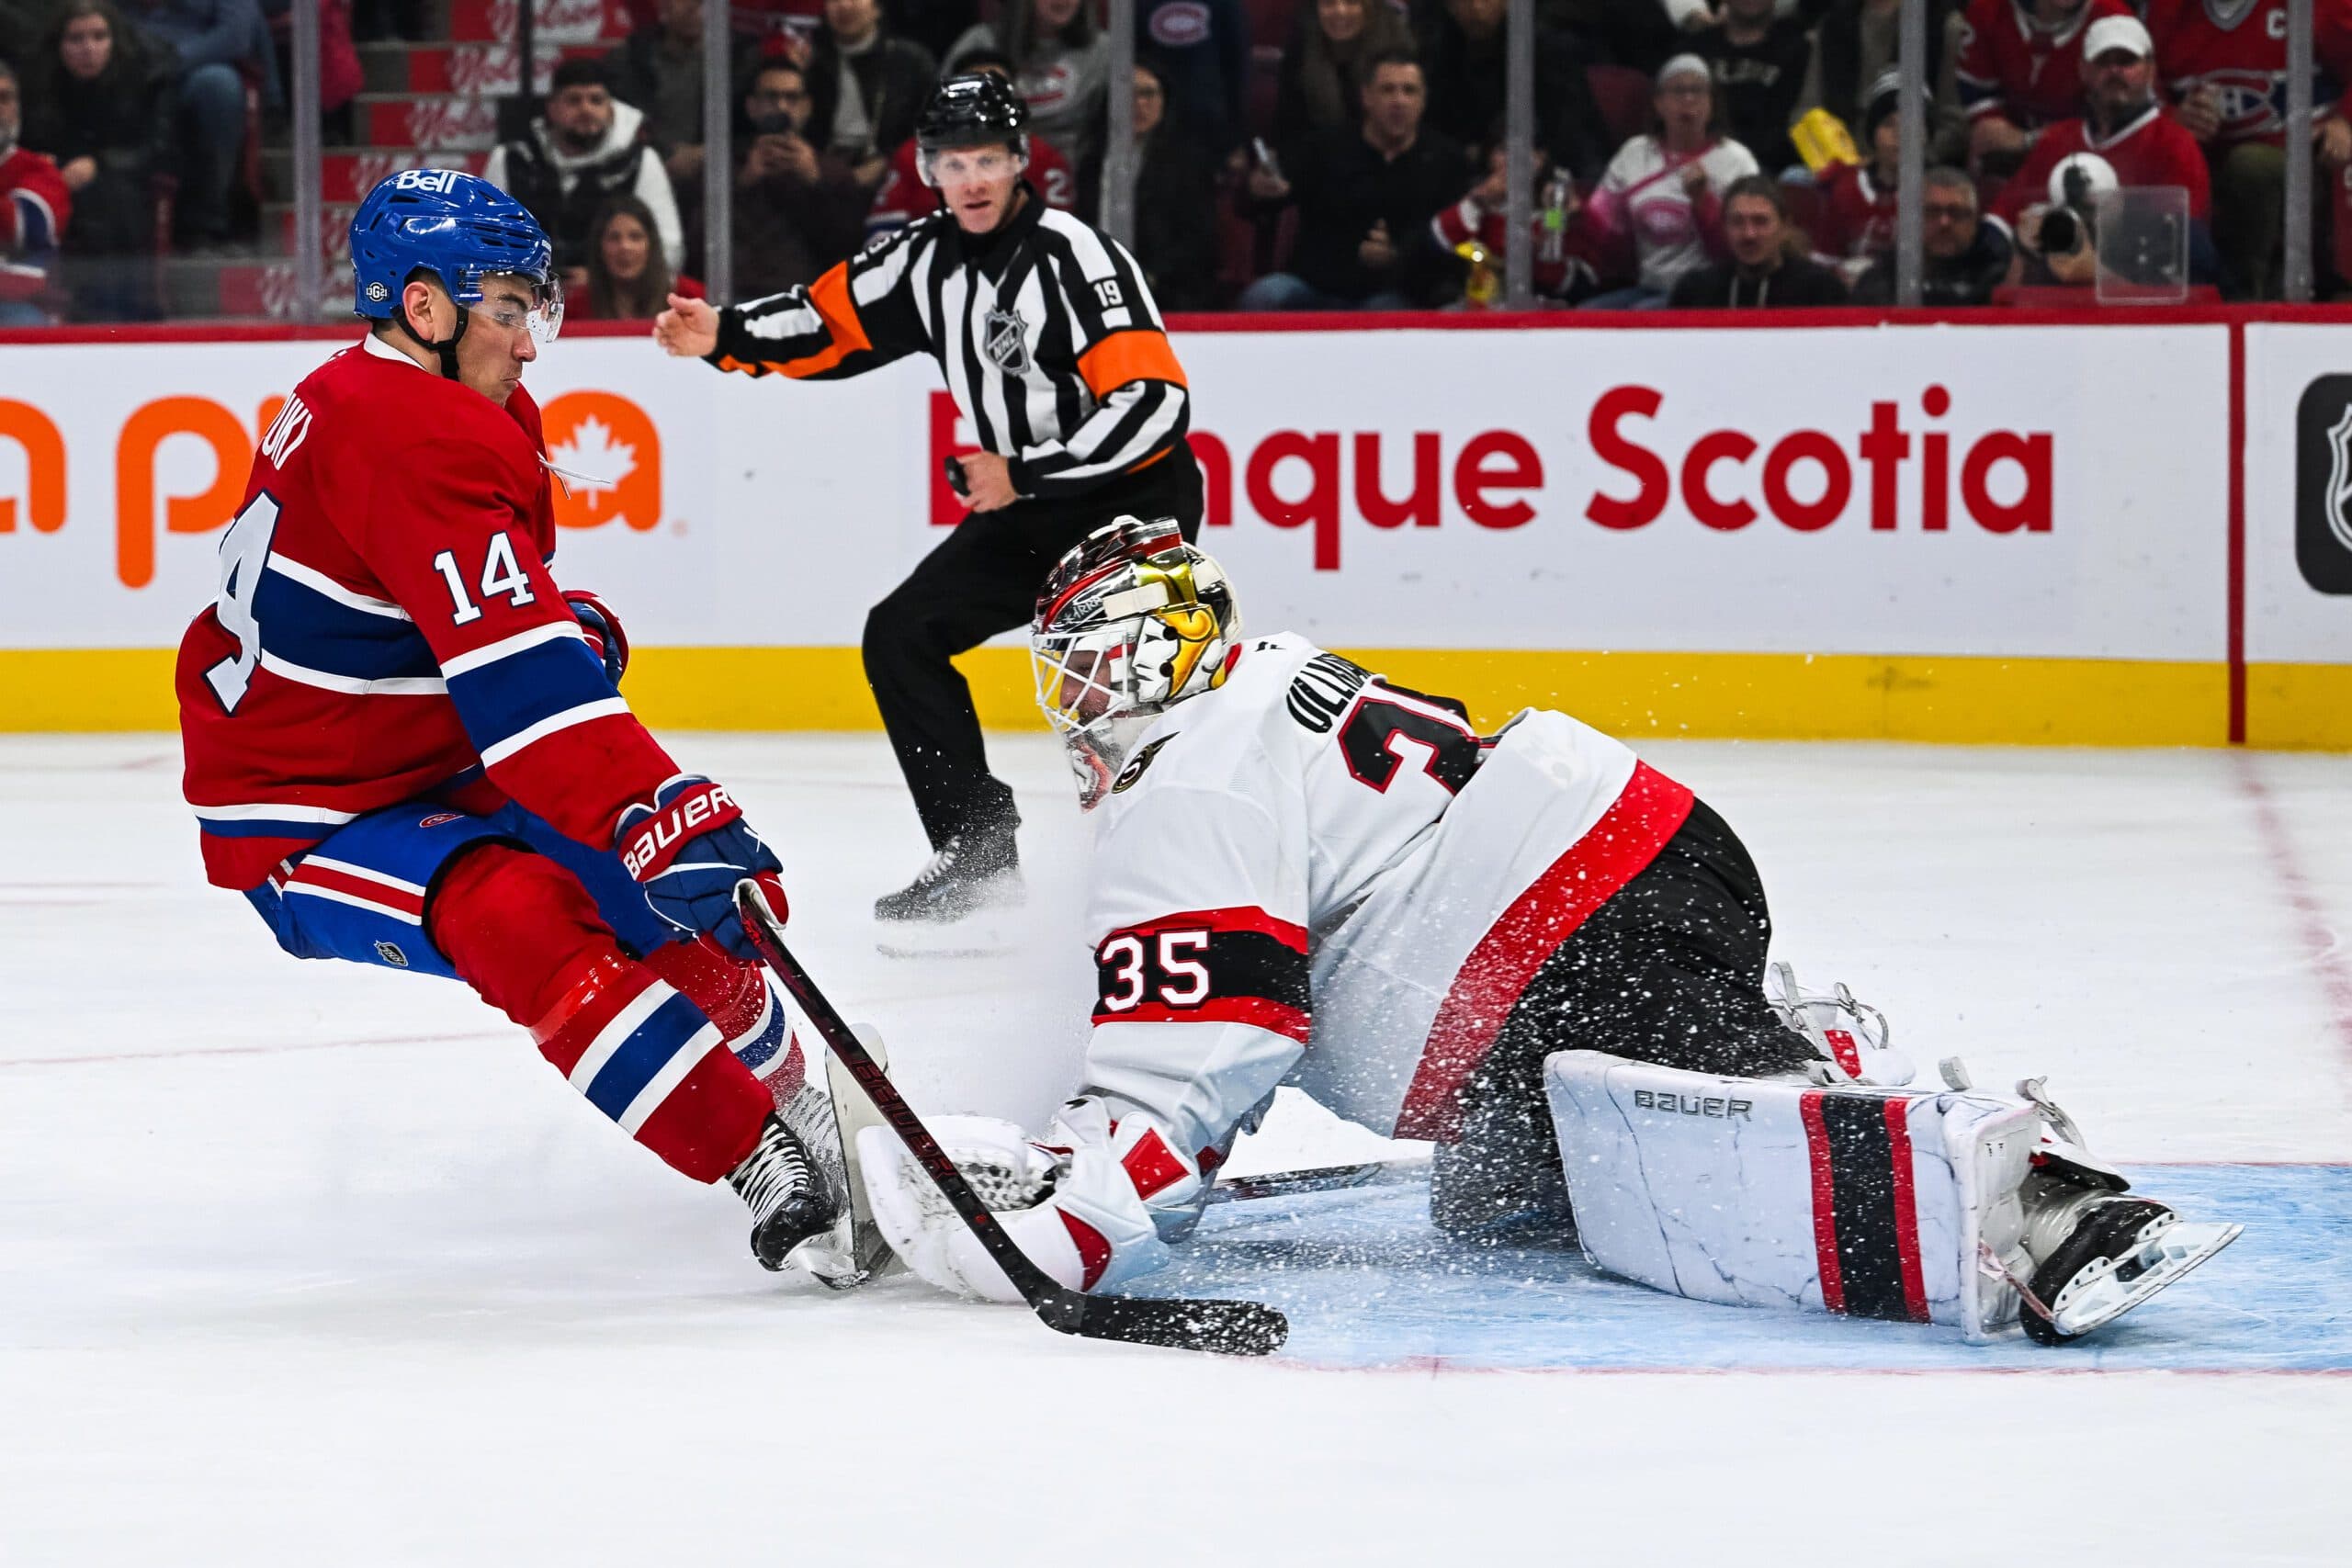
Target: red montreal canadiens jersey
point(2238, 48)
point(387, 628)
point(2154, 149)
point(1311, 856)
point(2029, 75)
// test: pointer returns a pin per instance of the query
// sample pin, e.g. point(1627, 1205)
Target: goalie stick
point(1317, 1178)
point(1236, 1328)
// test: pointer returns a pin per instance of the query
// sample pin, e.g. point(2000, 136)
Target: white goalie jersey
point(1311, 877)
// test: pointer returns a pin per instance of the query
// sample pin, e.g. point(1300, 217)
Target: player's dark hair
point(981, 59)
point(127, 60)
point(1758, 188)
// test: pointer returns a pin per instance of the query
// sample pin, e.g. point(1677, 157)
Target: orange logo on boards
point(143, 435)
point(606, 457)
point(44, 449)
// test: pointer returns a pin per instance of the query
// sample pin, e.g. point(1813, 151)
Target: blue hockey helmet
point(458, 227)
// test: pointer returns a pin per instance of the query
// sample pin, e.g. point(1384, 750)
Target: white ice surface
point(311, 1263)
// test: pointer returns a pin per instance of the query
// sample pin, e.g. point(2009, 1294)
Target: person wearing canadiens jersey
point(406, 745)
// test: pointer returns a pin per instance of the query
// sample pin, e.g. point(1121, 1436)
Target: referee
point(1053, 351)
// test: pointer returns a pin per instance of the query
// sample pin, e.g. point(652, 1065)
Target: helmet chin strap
point(445, 351)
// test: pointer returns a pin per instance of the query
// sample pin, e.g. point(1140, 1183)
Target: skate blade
point(989, 933)
point(2163, 1258)
point(832, 1257)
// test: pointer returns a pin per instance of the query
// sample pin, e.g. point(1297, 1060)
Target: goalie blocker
point(1959, 1208)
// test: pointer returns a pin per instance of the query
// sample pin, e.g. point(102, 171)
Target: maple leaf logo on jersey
point(606, 457)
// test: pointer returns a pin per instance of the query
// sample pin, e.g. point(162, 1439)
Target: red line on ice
point(2323, 948)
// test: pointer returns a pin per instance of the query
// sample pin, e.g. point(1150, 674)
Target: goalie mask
point(1130, 622)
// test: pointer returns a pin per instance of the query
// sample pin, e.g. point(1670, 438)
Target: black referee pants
point(982, 580)
point(1670, 970)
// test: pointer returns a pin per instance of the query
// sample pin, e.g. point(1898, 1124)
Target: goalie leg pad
point(1872, 1203)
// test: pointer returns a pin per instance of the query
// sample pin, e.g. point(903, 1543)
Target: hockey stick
point(1236, 1328)
point(1317, 1178)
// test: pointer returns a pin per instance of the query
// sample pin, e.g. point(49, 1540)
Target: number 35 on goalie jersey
point(1243, 821)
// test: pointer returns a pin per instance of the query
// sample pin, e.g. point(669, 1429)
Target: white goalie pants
point(1887, 1203)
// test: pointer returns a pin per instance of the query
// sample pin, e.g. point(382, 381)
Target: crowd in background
point(1725, 154)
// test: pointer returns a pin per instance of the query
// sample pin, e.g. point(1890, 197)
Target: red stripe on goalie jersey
point(409, 631)
point(1614, 850)
point(1234, 966)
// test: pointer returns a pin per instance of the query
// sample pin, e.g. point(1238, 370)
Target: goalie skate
point(2120, 1253)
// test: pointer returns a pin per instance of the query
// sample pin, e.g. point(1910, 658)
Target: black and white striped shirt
point(1050, 340)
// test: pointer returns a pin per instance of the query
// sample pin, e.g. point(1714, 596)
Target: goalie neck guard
point(1131, 621)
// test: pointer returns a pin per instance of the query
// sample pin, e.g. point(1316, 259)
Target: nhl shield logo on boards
point(1004, 337)
point(2323, 484)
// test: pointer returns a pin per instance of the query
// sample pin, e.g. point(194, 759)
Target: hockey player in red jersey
point(406, 747)
point(1304, 874)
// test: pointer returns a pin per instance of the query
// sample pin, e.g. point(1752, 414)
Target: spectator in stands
point(2226, 69)
point(211, 44)
point(628, 277)
point(35, 208)
point(934, 24)
point(868, 86)
point(903, 197)
point(582, 152)
point(2020, 68)
point(1365, 196)
point(1201, 48)
point(340, 73)
point(1482, 216)
point(1766, 268)
point(1658, 212)
point(1329, 39)
point(1061, 64)
point(1964, 258)
point(2130, 135)
point(1175, 204)
point(1619, 32)
point(657, 68)
point(1463, 49)
point(1858, 201)
point(1759, 59)
point(1855, 43)
point(798, 211)
point(101, 105)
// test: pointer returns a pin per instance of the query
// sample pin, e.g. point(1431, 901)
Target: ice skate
point(799, 1211)
point(2116, 1253)
point(960, 904)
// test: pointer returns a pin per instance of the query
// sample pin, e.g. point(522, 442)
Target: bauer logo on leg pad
point(1723, 1109)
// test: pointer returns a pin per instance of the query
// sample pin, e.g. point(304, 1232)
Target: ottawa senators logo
point(1133, 770)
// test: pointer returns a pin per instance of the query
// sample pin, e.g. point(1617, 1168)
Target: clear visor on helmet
point(519, 303)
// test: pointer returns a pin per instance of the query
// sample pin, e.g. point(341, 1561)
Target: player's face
point(978, 184)
point(582, 114)
point(1393, 99)
point(1084, 697)
point(498, 341)
point(1951, 217)
point(1752, 229)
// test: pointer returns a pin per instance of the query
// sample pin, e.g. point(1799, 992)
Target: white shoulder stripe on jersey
point(319, 583)
point(584, 714)
point(337, 895)
point(879, 281)
point(506, 646)
point(1093, 260)
point(672, 1074)
point(391, 687)
point(363, 873)
point(613, 1035)
point(268, 812)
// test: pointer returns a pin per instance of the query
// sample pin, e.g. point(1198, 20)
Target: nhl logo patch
point(390, 954)
point(1004, 338)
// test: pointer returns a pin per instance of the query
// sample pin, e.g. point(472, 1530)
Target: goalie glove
point(687, 848)
point(1075, 1204)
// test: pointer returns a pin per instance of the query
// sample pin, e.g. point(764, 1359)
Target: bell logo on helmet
point(443, 181)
